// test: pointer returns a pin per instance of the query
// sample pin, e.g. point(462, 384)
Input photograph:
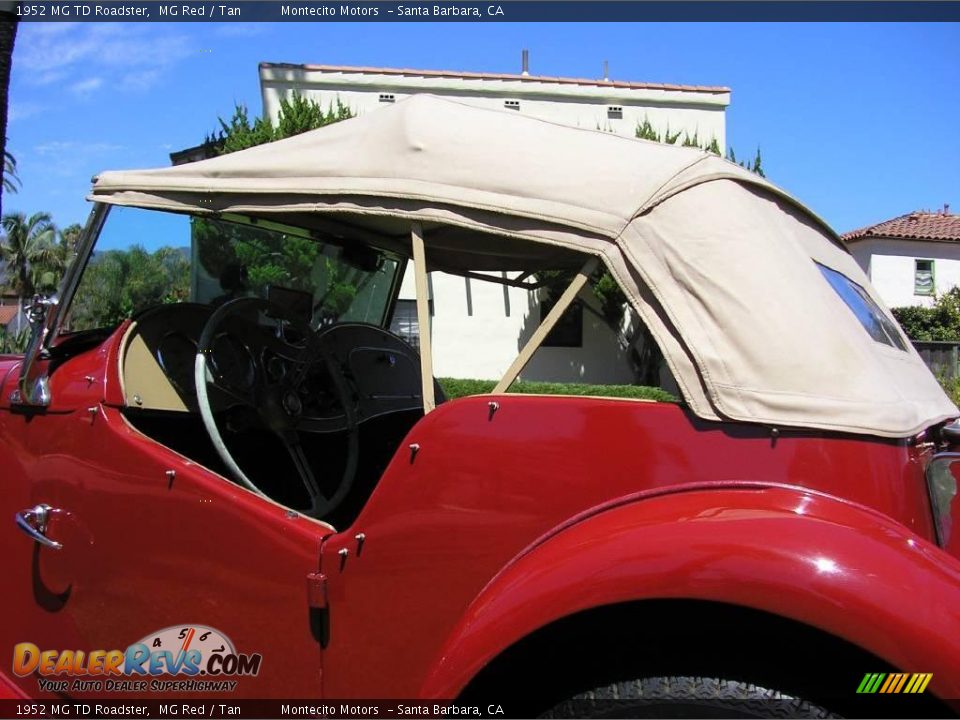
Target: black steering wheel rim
point(278, 403)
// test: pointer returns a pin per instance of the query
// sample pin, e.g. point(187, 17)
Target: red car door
point(154, 548)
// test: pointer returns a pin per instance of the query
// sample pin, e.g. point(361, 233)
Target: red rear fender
point(837, 566)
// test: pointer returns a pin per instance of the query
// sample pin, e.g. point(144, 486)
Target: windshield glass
point(143, 258)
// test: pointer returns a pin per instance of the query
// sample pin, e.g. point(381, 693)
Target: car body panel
point(475, 484)
point(486, 483)
point(144, 549)
point(829, 564)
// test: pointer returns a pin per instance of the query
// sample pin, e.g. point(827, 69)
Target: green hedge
point(458, 387)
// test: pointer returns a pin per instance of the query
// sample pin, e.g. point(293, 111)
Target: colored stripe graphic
point(923, 679)
point(893, 683)
point(903, 681)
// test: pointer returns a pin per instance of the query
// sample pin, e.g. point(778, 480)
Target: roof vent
point(525, 67)
point(387, 97)
point(511, 104)
point(606, 71)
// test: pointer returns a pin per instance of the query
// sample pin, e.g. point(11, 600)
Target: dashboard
point(157, 359)
point(160, 348)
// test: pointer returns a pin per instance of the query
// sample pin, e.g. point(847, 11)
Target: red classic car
point(222, 475)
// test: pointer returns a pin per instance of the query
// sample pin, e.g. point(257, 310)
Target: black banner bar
point(873, 706)
point(507, 11)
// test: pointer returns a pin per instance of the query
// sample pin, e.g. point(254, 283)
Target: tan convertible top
point(720, 264)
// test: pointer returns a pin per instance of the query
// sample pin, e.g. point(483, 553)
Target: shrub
point(940, 322)
point(951, 386)
point(14, 343)
point(458, 387)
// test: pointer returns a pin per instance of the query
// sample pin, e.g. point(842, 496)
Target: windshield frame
point(71, 279)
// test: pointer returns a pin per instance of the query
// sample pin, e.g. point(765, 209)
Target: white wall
point(479, 327)
point(584, 106)
point(889, 264)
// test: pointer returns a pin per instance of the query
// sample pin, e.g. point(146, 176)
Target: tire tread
point(718, 695)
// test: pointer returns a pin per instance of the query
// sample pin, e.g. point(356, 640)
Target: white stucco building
point(912, 258)
point(478, 327)
point(610, 105)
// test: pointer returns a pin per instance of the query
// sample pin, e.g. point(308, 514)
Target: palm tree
point(28, 250)
point(8, 36)
point(11, 181)
point(49, 270)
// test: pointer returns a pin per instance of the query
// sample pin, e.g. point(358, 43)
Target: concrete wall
point(479, 327)
point(889, 264)
point(701, 112)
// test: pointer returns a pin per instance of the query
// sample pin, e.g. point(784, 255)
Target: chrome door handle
point(34, 523)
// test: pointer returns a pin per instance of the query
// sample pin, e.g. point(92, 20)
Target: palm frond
point(11, 181)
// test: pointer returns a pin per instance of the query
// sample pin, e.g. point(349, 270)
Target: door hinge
point(317, 591)
point(319, 608)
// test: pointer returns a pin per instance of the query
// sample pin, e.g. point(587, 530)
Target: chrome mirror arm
point(34, 389)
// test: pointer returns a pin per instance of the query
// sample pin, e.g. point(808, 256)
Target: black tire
point(685, 697)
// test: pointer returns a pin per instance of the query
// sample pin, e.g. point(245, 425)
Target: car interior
point(259, 349)
point(380, 372)
point(305, 396)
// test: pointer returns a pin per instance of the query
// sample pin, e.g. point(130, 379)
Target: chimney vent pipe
point(526, 62)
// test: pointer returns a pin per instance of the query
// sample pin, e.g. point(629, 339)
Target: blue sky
point(860, 121)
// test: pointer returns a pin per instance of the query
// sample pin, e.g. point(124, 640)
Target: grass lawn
point(459, 387)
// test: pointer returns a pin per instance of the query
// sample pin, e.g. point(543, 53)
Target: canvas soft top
point(720, 264)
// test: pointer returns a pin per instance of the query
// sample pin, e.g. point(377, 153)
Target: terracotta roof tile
point(7, 313)
point(501, 76)
point(917, 225)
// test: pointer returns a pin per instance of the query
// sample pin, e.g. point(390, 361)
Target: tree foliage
point(49, 272)
point(34, 255)
point(13, 342)
point(939, 322)
point(297, 115)
point(28, 251)
point(271, 259)
point(646, 131)
point(239, 133)
point(11, 181)
point(754, 166)
point(118, 283)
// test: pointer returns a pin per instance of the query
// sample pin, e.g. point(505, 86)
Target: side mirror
point(34, 387)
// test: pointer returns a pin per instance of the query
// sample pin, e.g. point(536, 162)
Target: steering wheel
point(262, 356)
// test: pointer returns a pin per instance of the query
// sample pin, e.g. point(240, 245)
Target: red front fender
point(841, 567)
